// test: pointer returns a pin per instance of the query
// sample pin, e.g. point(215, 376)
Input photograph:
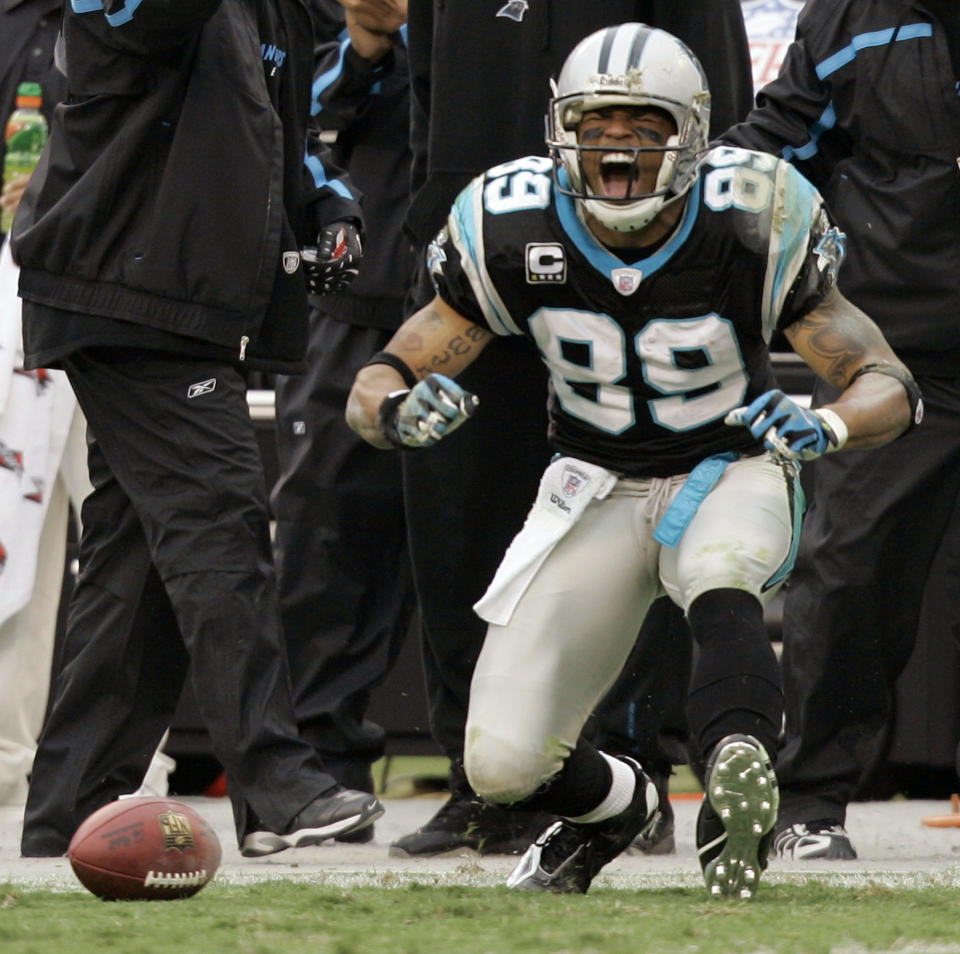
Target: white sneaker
point(826, 839)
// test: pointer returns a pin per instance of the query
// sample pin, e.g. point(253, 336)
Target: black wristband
point(905, 378)
point(398, 365)
point(387, 417)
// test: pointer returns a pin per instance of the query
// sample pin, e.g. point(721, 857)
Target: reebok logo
point(201, 387)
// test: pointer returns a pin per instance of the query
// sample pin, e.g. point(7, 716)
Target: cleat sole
point(743, 792)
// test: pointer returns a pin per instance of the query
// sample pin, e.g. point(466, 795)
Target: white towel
point(567, 486)
point(36, 409)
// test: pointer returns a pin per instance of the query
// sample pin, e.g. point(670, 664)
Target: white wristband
point(837, 427)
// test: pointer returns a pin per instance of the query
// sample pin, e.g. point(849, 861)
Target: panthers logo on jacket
point(646, 354)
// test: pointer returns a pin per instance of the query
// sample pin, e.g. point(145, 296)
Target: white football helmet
point(630, 65)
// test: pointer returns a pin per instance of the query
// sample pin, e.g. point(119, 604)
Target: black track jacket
point(867, 107)
point(178, 174)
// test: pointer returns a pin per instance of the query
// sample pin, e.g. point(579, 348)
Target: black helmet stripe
point(639, 41)
point(605, 49)
point(640, 36)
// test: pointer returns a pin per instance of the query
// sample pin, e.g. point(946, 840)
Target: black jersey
point(645, 358)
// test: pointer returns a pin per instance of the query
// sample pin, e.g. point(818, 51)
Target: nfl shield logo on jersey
point(626, 280)
point(572, 481)
point(546, 262)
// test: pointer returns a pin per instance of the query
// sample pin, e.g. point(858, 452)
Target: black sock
point(736, 680)
point(579, 787)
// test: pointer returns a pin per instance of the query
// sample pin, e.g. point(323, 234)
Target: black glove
point(334, 261)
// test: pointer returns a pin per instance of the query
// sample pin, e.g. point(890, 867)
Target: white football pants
point(540, 676)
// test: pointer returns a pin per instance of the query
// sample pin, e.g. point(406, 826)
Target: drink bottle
point(25, 137)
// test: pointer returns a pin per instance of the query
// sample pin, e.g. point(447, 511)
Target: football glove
point(334, 261)
point(792, 432)
point(429, 411)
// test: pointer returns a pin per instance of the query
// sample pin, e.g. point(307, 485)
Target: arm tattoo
point(413, 342)
point(837, 336)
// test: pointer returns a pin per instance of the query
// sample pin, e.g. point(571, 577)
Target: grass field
point(297, 918)
point(902, 898)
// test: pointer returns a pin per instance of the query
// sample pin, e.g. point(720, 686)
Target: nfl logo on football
point(546, 262)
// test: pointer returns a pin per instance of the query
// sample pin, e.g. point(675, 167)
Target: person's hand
point(792, 432)
point(371, 23)
point(13, 192)
point(428, 412)
point(379, 16)
point(334, 261)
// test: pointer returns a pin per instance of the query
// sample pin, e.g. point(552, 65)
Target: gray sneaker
point(826, 839)
point(337, 813)
point(736, 820)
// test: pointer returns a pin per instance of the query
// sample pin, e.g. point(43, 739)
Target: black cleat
point(466, 826)
point(659, 838)
point(567, 856)
point(739, 810)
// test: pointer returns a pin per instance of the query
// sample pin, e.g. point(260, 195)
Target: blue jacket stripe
point(831, 64)
point(325, 80)
point(316, 169)
point(826, 122)
point(864, 41)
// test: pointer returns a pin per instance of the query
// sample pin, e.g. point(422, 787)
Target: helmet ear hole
point(630, 65)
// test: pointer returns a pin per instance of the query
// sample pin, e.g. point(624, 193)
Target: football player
point(650, 272)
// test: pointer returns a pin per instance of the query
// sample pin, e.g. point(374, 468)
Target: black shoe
point(825, 838)
point(659, 839)
point(567, 856)
point(327, 816)
point(467, 825)
point(737, 815)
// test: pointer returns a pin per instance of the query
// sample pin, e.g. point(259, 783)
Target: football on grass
point(144, 848)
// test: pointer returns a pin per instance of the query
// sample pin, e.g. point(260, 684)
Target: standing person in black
point(478, 69)
point(344, 576)
point(866, 107)
point(159, 242)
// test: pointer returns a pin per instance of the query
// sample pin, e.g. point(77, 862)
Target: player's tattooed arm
point(436, 339)
point(837, 340)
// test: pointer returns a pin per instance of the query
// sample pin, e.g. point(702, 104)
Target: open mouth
point(618, 174)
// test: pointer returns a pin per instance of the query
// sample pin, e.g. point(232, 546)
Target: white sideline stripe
point(262, 405)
